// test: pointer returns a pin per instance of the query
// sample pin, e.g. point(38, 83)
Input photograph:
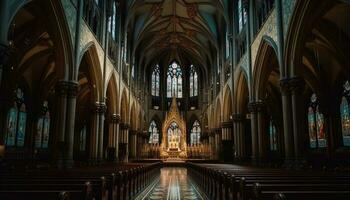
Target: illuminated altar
point(174, 134)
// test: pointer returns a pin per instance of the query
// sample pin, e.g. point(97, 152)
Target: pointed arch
point(124, 107)
point(266, 68)
point(227, 105)
point(241, 92)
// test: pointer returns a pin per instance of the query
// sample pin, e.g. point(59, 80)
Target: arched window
point(112, 22)
point(345, 114)
point(82, 139)
point(273, 136)
point(42, 134)
point(174, 81)
point(155, 81)
point(242, 15)
point(317, 132)
point(195, 133)
point(16, 121)
point(193, 82)
point(153, 132)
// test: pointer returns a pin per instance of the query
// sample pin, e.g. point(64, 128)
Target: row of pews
point(220, 181)
point(106, 182)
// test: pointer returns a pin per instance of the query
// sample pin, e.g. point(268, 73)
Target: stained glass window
point(155, 81)
point(82, 139)
point(153, 133)
point(317, 132)
point(345, 114)
point(16, 121)
point(174, 81)
point(43, 128)
point(174, 136)
point(195, 135)
point(193, 82)
point(242, 15)
point(273, 136)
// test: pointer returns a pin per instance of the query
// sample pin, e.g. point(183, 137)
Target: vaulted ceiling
point(189, 31)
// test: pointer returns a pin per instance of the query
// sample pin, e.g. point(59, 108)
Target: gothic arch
point(241, 93)
point(124, 107)
point(227, 105)
point(266, 69)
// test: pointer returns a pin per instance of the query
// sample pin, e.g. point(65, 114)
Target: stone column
point(70, 123)
point(254, 128)
point(218, 143)
point(94, 143)
point(124, 140)
point(262, 130)
point(61, 94)
point(112, 139)
point(287, 122)
point(212, 145)
point(228, 144)
point(132, 143)
point(101, 109)
point(297, 87)
point(238, 123)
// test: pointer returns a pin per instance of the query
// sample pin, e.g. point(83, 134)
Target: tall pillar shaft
point(254, 129)
point(287, 122)
point(70, 123)
point(297, 87)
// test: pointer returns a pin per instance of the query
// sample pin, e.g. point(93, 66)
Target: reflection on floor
point(173, 185)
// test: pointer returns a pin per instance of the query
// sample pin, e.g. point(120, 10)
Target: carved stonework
point(67, 88)
point(192, 11)
point(115, 118)
point(174, 116)
point(100, 108)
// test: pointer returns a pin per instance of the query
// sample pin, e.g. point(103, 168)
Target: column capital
point(115, 118)
point(296, 85)
point(66, 88)
point(256, 106)
point(100, 107)
point(238, 117)
point(285, 86)
point(124, 126)
point(227, 124)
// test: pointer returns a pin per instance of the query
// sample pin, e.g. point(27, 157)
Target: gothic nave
point(174, 99)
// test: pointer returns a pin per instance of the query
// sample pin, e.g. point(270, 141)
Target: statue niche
point(174, 134)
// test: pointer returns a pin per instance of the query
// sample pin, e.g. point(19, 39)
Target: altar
point(173, 143)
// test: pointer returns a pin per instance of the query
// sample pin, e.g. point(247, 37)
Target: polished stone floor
point(174, 184)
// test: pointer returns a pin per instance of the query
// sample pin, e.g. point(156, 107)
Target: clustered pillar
point(259, 132)
point(123, 144)
point(226, 140)
point(239, 137)
point(133, 142)
point(113, 139)
point(64, 143)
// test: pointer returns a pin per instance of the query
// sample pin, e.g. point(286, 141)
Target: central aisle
point(174, 184)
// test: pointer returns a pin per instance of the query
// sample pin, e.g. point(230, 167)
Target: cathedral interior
point(174, 99)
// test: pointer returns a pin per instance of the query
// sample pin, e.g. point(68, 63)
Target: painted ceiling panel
point(175, 29)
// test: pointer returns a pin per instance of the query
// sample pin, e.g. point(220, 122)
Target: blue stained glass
point(38, 134)
point(174, 81)
point(11, 126)
point(46, 132)
point(82, 139)
point(155, 81)
point(21, 131)
point(154, 133)
point(195, 133)
point(345, 115)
